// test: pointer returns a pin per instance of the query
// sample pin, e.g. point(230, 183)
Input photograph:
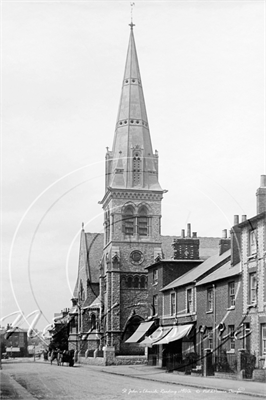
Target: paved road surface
point(45, 381)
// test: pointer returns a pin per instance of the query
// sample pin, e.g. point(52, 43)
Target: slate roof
point(132, 129)
point(88, 302)
point(198, 271)
point(93, 253)
point(224, 272)
point(94, 250)
point(96, 303)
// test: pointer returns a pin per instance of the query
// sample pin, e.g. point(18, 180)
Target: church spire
point(132, 155)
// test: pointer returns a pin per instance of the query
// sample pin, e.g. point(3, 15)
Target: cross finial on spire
point(131, 24)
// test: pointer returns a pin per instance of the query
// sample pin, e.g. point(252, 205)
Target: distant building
point(16, 342)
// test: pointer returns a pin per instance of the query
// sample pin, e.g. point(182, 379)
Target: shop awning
point(177, 332)
point(157, 335)
point(141, 330)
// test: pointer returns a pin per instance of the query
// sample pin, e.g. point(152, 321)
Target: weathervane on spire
point(131, 24)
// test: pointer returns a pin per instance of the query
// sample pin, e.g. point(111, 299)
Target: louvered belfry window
point(128, 221)
point(136, 169)
point(143, 222)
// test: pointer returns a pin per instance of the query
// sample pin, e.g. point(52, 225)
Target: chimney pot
point(188, 230)
point(183, 233)
point(194, 234)
point(236, 219)
point(261, 195)
point(263, 181)
point(224, 234)
point(244, 218)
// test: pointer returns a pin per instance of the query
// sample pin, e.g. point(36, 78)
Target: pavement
point(11, 389)
point(208, 384)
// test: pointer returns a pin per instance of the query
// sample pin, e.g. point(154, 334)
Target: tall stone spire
point(132, 163)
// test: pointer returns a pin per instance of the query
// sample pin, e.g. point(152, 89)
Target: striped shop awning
point(141, 330)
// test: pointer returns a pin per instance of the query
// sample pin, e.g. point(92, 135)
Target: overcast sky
point(203, 71)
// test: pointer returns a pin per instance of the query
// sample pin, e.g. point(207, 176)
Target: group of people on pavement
point(61, 356)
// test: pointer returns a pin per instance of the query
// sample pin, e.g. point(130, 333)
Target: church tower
point(132, 214)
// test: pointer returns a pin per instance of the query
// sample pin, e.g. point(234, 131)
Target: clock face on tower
point(136, 257)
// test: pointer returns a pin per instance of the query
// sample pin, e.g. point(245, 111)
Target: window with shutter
point(143, 222)
point(128, 221)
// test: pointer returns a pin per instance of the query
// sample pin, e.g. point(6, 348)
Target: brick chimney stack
point(189, 230)
point(224, 244)
point(261, 195)
point(186, 248)
point(236, 219)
